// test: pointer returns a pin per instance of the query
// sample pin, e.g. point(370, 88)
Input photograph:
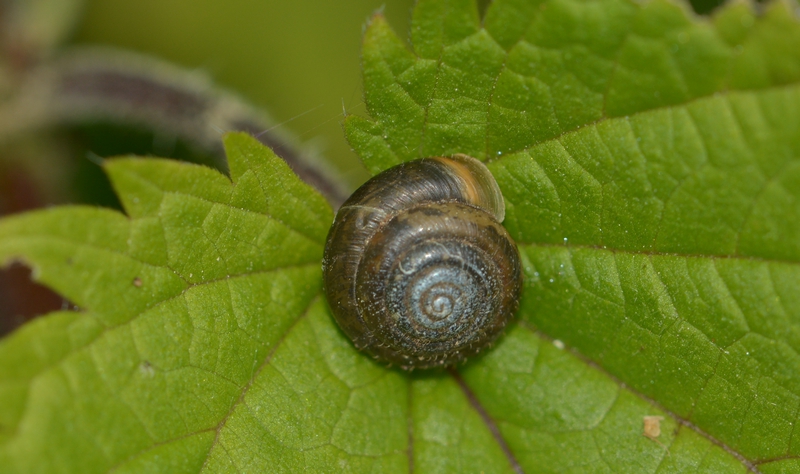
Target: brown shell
point(417, 269)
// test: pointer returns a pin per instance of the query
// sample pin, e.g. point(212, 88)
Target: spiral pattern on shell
point(417, 269)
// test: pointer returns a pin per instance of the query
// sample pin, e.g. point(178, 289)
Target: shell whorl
point(418, 270)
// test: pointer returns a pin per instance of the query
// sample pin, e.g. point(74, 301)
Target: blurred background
point(64, 105)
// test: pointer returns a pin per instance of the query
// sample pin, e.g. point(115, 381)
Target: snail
point(418, 271)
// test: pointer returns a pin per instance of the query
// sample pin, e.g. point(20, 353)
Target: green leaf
point(182, 303)
point(649, 161)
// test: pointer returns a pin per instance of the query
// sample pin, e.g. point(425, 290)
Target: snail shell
point(417, 269)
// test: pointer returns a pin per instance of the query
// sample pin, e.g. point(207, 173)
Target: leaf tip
point(377, 16)
point(235, 138)
point(376, 27)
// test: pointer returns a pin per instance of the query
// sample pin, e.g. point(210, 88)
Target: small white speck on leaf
point(559, 344)
point(146, 368)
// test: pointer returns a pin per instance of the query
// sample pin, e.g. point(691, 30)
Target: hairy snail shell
point(418, 271)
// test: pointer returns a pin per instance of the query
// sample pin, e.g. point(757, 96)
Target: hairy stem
point(86, 85)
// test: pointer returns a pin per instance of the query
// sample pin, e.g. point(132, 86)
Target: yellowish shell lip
point(479, 186)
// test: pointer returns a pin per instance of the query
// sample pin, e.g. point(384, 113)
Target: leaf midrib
point(267, 359)
point(486, 419)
